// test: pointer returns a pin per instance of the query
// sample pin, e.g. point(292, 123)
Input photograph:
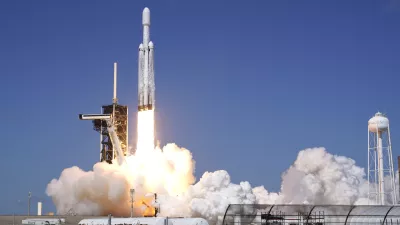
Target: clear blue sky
point(243, 84)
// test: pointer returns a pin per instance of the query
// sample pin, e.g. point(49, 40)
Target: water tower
point(380, 162)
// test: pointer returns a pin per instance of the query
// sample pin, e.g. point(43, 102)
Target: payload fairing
point(146, 85)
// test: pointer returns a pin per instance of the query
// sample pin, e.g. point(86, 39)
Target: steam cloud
point(316, 177)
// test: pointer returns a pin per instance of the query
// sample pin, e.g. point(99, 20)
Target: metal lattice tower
point(120, 121)
point(381, 181)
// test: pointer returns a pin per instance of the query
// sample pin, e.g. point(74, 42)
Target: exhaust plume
point(315, 177)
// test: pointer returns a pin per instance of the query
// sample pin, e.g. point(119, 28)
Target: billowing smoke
point(106, 189)
point(316, 177)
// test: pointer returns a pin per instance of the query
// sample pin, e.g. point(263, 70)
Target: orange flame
point(145, 207)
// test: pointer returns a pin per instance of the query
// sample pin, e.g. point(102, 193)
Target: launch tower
point(380, 162)
point(119, 119)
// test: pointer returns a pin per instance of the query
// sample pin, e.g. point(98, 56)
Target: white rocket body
point(146, 85)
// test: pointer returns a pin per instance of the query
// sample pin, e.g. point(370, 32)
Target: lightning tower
point(380, 162)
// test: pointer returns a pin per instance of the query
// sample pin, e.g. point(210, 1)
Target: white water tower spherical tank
point(378, 123)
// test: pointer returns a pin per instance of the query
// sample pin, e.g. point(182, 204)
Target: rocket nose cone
point(146, 16)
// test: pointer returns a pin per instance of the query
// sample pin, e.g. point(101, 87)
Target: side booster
point(146, 85)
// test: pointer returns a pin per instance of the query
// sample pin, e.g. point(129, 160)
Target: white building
point(145, 221)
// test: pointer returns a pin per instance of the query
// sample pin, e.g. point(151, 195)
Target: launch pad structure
point(120, 121)
point(112, 125)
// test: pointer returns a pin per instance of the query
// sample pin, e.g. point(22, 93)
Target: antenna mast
point(29, 203)
point(115, 99)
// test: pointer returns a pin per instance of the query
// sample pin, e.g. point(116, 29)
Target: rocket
point(146, 85)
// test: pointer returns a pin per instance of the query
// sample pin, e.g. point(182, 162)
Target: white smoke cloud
point(316, 177)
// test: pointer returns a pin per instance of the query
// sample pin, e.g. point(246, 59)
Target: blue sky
point(244, 85)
